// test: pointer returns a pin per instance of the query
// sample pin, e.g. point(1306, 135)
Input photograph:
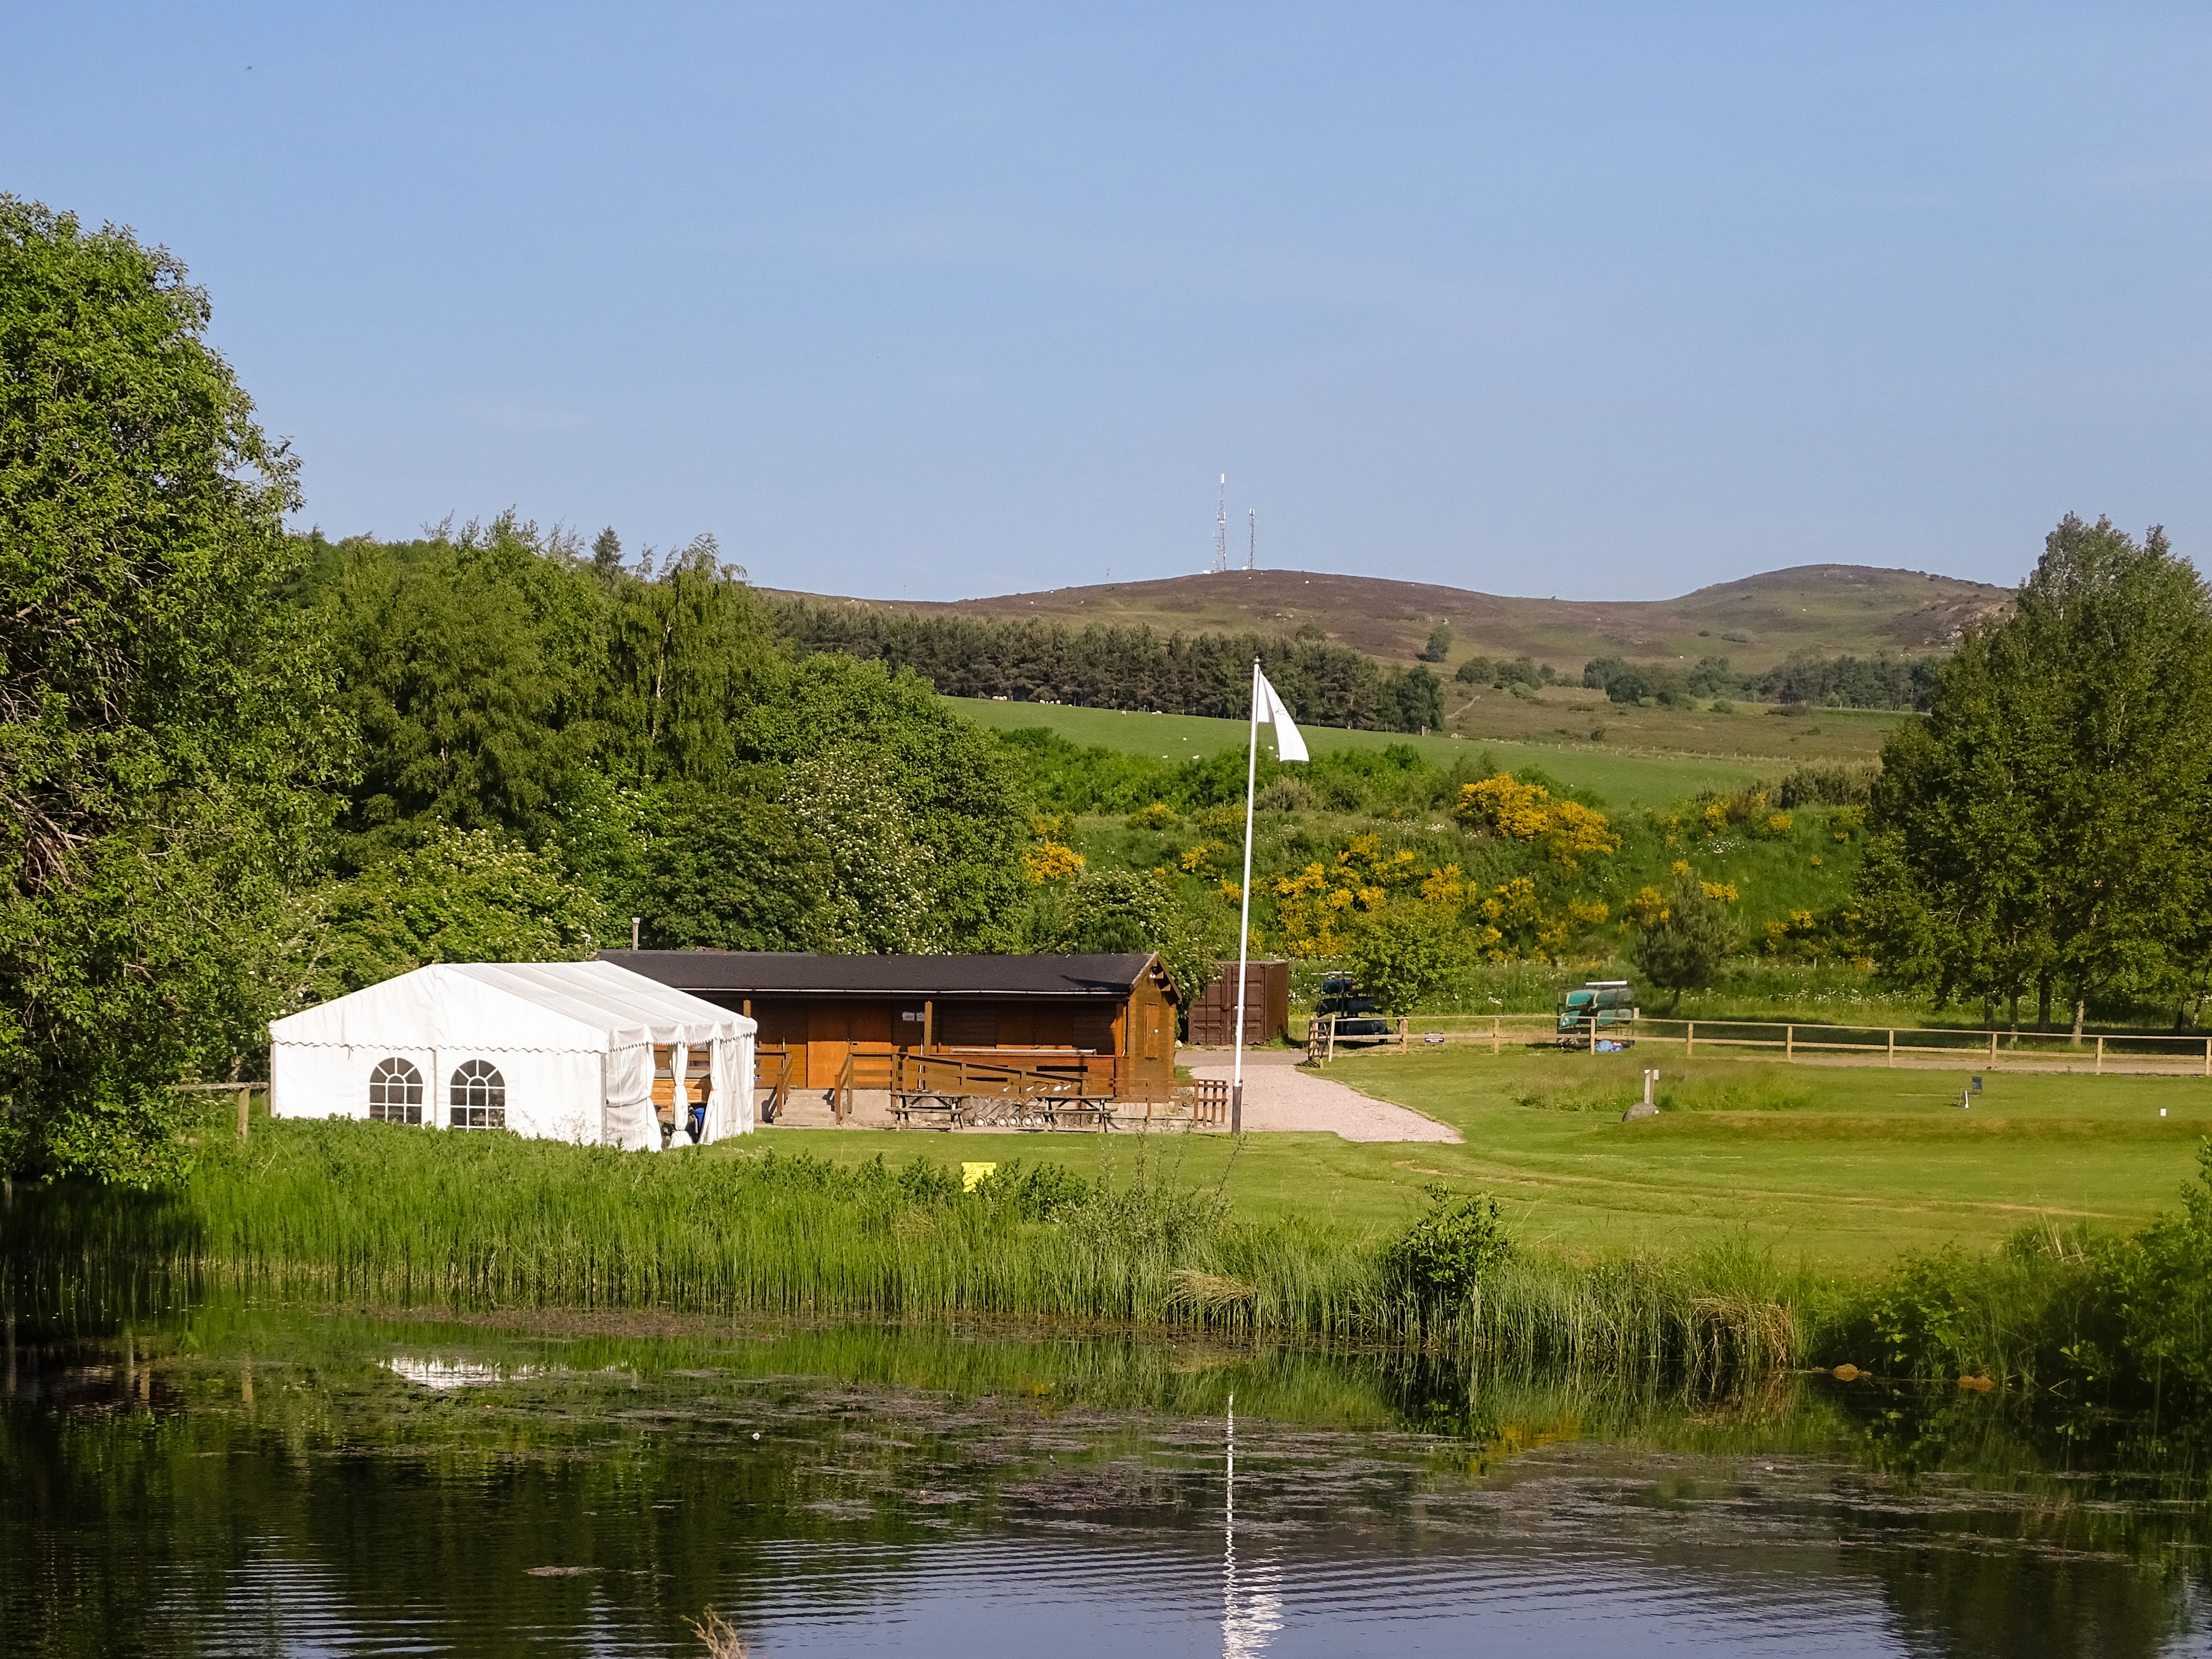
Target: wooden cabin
point(818, 1011)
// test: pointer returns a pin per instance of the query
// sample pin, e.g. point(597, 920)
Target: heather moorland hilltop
point(1757, 621)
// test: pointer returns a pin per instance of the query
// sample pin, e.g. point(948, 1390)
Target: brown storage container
point(1267, 1006)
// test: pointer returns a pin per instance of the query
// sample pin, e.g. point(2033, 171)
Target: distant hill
point(1832, 609)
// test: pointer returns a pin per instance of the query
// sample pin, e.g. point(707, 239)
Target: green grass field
point(1758, 734)
point(1836, 1168)
point(1622, 779)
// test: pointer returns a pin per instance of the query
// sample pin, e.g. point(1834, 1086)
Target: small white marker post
point(1647, 1106)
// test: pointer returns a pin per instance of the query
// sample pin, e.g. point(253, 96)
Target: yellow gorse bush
point(1503, 805)
point(1514, 923)
point(1311, 905)
point(1052, 861)
point(1745, 806)
point(1199, 861)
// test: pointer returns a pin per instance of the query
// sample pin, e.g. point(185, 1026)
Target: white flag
point(1272, 710)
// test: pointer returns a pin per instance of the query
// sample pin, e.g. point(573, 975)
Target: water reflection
point(1252, 1607)
point(223, 1478)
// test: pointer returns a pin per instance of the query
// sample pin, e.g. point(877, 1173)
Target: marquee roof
point(568, 1007)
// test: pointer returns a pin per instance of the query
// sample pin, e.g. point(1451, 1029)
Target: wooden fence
point(245, 1092)
point(2109, 1053)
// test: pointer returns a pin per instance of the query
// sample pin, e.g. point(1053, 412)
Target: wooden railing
point(867, 1066)
point(2129, 1051)
point(1322, 1038)
point(2140, 1052)
point(780, 1058)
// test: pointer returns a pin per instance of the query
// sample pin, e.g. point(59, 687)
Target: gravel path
point(1277, 1097)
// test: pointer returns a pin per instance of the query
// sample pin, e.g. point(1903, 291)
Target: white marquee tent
point(562, 1049)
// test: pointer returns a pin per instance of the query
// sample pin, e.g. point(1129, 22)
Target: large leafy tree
point(454, 896)
point(957, 801)
point(2048, 824)
point(164, 719)
point(471, 667)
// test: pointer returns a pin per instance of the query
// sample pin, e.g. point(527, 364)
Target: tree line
point(240, 770)
point(1805, 677)
point(1102, 666)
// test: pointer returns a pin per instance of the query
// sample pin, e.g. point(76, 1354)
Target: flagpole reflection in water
point(1253, 1611)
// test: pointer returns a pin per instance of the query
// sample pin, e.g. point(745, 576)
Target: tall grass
point(371, 1212)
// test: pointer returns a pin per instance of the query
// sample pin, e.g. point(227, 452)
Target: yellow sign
point(971, 1175)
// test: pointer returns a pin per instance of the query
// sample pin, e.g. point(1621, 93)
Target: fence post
point(1404, 1025)
point(1690, 1042)
point(245, 1097)
point(2208, 1045)
point(2100, 1053)
point(1892, 1060)
point(1788, 1043)
point(2208, 1056)
point(1993, 1049)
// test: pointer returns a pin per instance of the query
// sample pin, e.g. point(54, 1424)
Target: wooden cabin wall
point(818, 1032)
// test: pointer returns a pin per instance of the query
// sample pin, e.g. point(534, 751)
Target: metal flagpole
point(1244, 923)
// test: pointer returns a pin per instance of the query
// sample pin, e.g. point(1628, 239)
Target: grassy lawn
point(1753, 733)
point(1841, 1168)
point(1622, 779)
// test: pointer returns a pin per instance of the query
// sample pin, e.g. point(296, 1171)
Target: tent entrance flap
point(629, 1120)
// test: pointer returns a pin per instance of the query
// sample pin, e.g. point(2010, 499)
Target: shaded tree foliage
point(163, 716)
point(501, 681)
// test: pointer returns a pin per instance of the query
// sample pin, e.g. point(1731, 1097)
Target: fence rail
point(2142, 1053)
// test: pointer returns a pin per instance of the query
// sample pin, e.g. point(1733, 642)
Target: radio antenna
point(1221, 527)
point(1252, 547)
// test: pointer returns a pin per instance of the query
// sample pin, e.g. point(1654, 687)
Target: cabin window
point(395, 1092)
point(479, 1096)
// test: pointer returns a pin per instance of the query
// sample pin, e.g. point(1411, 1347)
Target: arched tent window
point(395, 1092)
point(479, 1096)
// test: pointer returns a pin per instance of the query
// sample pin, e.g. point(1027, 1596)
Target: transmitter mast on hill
point(1221, 529)
point(1252, 547)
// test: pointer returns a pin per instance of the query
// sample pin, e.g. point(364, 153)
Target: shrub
point(1445, 1255)
point(1828, 786)
point(1044, 1191)
point(1402, 953)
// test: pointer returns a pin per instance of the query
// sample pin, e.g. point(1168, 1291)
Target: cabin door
point(828, 1038)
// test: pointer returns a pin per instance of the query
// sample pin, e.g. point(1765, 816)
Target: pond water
point(228, 1476)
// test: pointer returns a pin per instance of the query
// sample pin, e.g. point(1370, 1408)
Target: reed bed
point(370, 1212)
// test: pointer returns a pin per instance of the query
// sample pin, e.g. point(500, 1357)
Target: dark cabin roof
point(789, 973)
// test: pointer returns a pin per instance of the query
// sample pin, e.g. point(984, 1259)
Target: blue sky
point(934, 300)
